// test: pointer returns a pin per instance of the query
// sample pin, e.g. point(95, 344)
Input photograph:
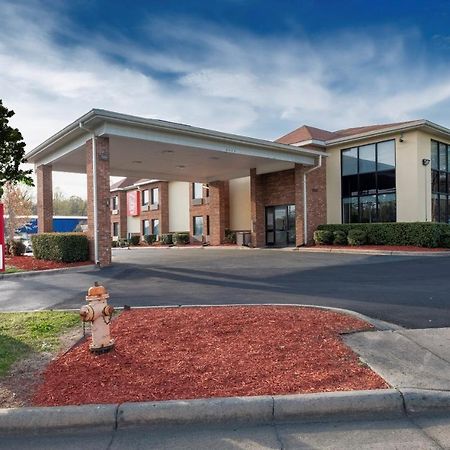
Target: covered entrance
point(104, 143)
point(280, 225)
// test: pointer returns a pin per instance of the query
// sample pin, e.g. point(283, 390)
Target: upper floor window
point(145, 197)
point(155, 196)
point(197, 190)
point(368, 183)
point(115, 203)
point(440, 181)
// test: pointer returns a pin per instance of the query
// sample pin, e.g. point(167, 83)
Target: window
point(145, 197)
point(368, 183)
point(198, 225)
point(197, 190)
point(440, 182)
point(115, 203)
point(116, 229)
point(145, 227)
point(155, 227)
point(155, 196)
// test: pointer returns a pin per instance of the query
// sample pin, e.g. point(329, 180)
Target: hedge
point(167, 239)
point(150, 238)
point(181, 238)
point(418, 234)
point(65, 247)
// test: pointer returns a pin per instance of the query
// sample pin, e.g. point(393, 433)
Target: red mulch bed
point(385, 248)
point(185, 353)
point(31, 263)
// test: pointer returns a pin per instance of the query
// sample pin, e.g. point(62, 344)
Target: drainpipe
point(95, 203)
point(305, 198)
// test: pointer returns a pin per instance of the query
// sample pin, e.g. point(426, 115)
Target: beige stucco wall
point(240, 209)
point(178, 206)
point(133, 225)
point(411, 183)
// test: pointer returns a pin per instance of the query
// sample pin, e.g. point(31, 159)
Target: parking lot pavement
point(424, 432)
point(411, 291)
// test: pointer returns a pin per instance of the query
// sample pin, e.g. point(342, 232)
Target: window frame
point(152, 196)
point(145, 195)
point(440, 196)
point(376, 191)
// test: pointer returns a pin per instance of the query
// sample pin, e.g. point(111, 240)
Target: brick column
point(299, 212)
point(123, 223)
point(219, 211)
point(257, 210)
point(164, 207)
point(44, 198)
point(316, 200)
point(103, 196)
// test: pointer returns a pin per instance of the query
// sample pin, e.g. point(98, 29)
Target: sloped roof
point(121, 184)
point(307, 133)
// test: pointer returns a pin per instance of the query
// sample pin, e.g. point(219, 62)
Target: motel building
point(180, 178)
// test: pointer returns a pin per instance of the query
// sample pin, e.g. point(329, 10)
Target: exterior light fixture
point(167, 151)
point(425, 162)
point(104, 156)
point(401, 138)
point(137, 162)
point(181, 166)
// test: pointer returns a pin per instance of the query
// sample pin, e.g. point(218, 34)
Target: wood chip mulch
point(30, 263)
point(185, 353)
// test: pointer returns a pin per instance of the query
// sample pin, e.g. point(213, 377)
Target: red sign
point(133, 204)
point(2, 239)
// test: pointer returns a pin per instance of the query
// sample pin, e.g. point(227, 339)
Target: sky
point(253, 67)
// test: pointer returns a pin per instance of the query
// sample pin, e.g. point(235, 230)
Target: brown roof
point(121, 184)
point(358, 130)
point(306, 133)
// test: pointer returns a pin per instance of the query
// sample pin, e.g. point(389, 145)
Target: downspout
point(305, 198)
point(95, 202)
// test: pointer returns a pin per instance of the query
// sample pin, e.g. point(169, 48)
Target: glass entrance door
point(280, 225)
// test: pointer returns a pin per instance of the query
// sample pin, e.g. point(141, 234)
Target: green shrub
point(419, 234)
point(15, 247)
point(357, 237)
point(114, 244)
point(230, 237)
point(134, 240)
point(167, 239)
point(339, 237)
point(181, 238)
point(323, 237)
point(445, 239)
point(65, 247)
point(123, 243)
point(150, 238)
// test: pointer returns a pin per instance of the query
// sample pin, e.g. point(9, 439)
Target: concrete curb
point(34, 273)
point(18, 420)
point(263, 409)
point(371, 252)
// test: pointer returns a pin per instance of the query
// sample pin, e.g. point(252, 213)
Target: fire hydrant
point(99, 313)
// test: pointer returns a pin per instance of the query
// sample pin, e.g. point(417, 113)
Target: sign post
point(2, 239)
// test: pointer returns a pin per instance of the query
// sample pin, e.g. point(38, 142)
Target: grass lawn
point(12, 269)
point(24, 333)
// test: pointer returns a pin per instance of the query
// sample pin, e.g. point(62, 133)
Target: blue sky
point(260, 68)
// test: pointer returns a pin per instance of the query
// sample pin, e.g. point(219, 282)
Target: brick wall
point(286, 188)
point(44, 198)
point(103, 199)
point(162, 213)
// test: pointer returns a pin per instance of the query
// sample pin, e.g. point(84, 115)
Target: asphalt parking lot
point(412, 291)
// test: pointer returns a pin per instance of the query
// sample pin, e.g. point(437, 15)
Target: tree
point(18, 206)
point(12, 152)
point(72, 206)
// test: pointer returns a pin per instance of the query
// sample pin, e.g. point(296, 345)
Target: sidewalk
point(407, 358)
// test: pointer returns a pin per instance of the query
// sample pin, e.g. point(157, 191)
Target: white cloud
point(225, 79)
